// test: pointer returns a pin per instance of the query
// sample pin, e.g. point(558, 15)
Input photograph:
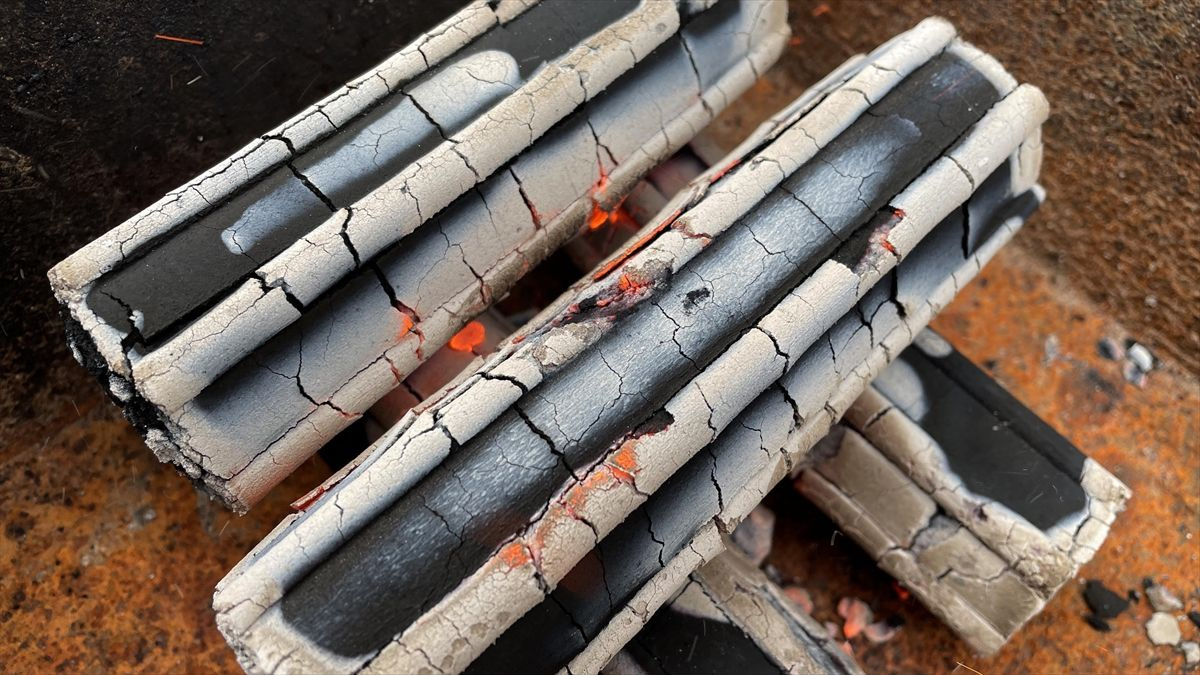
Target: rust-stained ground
point(92, 582)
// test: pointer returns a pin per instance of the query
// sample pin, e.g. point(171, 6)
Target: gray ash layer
point(435, 188)
point(623, 562)
point(187, 269)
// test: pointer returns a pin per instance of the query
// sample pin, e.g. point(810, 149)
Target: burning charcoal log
point(772, 277)
point(648, 557)
point(250, 315)
point(730, 618)
point(961, 493)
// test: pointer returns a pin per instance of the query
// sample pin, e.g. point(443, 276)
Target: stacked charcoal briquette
point(573, 483)
point(960, 492)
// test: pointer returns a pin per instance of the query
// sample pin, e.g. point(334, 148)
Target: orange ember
point(624, 464)
point(406, 324)
point(618, 216)
point(514, 555)
point(470, 337)
point(598, 218)
point(636, 246)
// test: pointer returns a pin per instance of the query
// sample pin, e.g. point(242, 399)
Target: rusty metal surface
point(91, 582)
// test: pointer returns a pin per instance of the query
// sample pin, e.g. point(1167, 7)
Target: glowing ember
point(470, 337)
point(857, 615)
point(514, 555)
point(598, 218)
point(618, 217)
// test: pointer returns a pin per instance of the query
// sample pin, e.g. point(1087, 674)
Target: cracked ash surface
point(509, 491)
point(265, 290)
point(964, 496)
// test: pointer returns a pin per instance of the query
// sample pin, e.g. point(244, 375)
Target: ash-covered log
point(250, 315)
point(970, 500)
point(730, 618)
point(609, 596)
point(786, 276)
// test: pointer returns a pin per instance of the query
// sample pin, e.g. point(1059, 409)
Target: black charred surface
point(143, 415)
point(675, 642)
point(999, 448)
point(403, 562)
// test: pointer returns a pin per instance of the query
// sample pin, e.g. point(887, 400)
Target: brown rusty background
point(108, 559)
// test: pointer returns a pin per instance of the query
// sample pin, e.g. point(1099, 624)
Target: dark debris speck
point(1109, 349)
point(1103, 602)
point(1097, 623)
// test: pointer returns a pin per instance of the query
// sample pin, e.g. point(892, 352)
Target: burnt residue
point(693, 298)
point(614, 300)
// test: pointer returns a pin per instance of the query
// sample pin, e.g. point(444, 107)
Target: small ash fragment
point(1134, 376)
point(1097, 623)
point(1162, 599)
point(1163, 629)
point(1141, 357)
point(1195, 617)
point(857, 615)
point(1051, 350)
point(1104, 603)
point(1138, 363)
point(142, 517)
point(1191, 653)
point(882, 631)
